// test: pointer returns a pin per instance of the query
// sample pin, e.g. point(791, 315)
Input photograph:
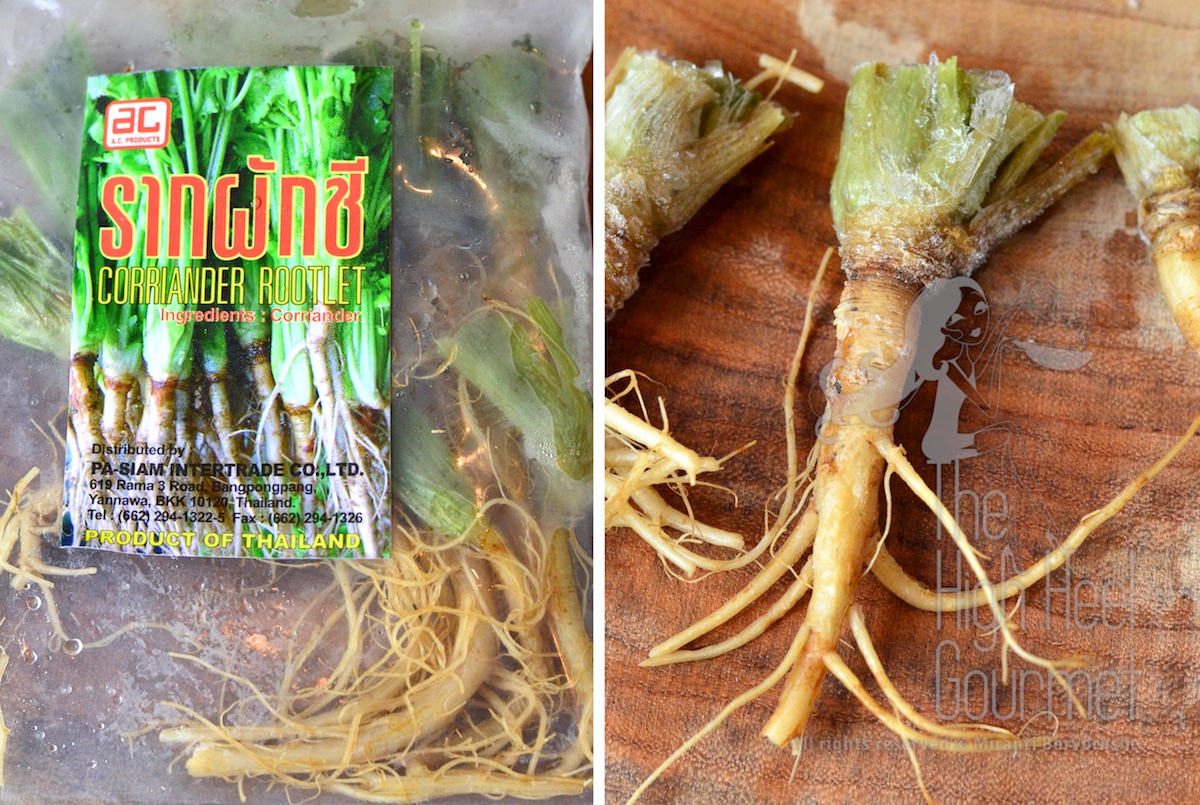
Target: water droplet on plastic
point(117, 699)
point(72, 647)
point(29, 655)
point(53, 748)
point(92, 764)
point(33, 602)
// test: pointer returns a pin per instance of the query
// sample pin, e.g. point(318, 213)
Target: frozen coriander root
point(461, 666)
point(28, 516)
point(34, 306)
point(640, 456)
point(1159, 154)
point(931, 175)
point(674, 133)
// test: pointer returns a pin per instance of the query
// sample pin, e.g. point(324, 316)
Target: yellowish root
point(27, 518)
point(918, 595)
point(901, 717)
point(640, 456)
point(741, 701)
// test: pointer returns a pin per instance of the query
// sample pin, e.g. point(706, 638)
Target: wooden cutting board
point(715, 324)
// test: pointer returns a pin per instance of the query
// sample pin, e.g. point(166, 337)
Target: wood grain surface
point(715, 324)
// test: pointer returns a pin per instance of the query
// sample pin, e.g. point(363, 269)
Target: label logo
point(144, 123)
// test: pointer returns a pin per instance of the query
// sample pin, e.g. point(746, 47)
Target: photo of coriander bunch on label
point(232, 223)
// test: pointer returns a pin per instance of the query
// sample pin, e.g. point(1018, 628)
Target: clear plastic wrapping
point(460, 667)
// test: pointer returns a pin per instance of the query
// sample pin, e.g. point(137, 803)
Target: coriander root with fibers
point(932, 175)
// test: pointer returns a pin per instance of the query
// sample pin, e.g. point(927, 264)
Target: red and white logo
point(144, 123)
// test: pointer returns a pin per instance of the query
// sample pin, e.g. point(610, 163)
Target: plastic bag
point(460, 667)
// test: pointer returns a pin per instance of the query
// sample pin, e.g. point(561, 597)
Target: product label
point(233, 300)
